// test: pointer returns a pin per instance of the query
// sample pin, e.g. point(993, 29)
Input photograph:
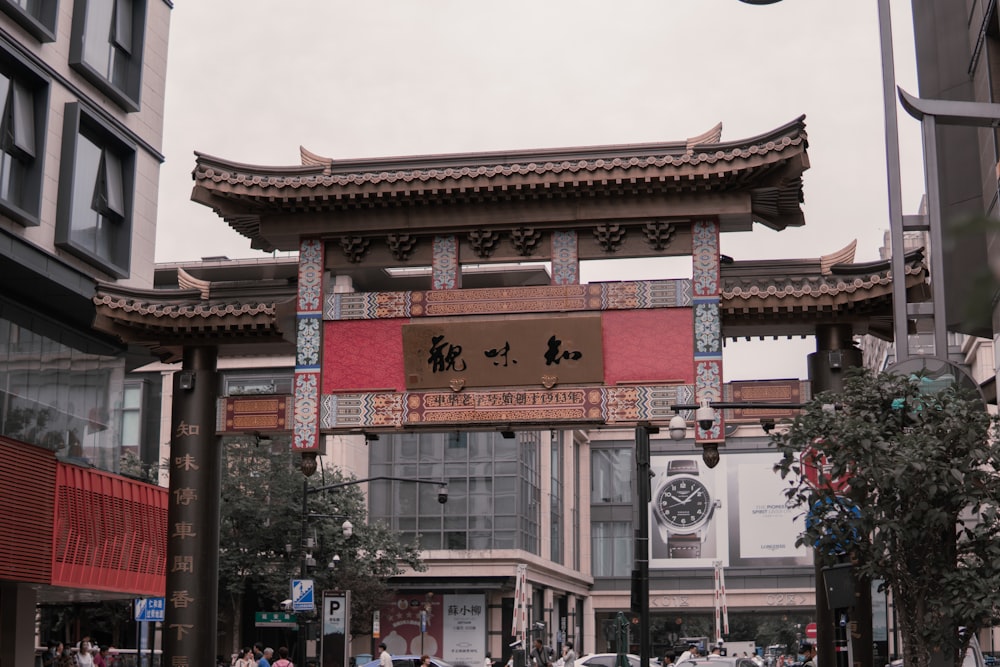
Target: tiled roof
point(767, 168)
point(759, 298)
point(765, 300)
point(167, 320)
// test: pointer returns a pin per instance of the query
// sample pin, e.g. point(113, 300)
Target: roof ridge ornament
point(310, 159)
point(843, 256)
point(712, 136)
point(186, 281)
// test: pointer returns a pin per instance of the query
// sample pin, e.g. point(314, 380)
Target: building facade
point(81, 84)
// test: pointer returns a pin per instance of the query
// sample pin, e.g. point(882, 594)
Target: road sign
point(816, 471)
point(303, 595)
point(275, 619)
point(811, 631)
point(150, 609)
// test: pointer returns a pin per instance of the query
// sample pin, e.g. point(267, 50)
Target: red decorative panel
point(260, 413)
point(27, 490)
point(650, 346)
point(363, 355)
point(110, 533)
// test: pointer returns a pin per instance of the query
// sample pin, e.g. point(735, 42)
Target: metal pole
point(642, 540)
point(900, 316)
point(303, 564)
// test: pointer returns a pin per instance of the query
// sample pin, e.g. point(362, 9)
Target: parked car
point(409, 661)
point(609, 660)
point(717, 661)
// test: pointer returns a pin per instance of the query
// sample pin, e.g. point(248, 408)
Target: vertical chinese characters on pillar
point(183, 497)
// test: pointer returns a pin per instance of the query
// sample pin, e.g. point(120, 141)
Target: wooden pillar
point(190, 617)
point(706, 287)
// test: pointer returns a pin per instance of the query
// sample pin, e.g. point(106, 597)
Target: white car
point(610, 660)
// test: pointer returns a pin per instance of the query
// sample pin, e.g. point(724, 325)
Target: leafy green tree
point(261, 542)
point(924, 497)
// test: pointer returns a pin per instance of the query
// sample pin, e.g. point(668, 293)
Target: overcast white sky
point(252, 80)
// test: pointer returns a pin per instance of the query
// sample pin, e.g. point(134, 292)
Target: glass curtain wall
point(493, 489)
point(71, 402)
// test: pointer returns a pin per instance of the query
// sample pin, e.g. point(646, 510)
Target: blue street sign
point(303, 595)
point(149, 609)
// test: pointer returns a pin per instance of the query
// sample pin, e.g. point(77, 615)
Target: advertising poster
point(735, 513)
point(464, 630)
point(687, 526)
point(763, 527)
point(412, 624)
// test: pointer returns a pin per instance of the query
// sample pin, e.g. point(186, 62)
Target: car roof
point(407, 656)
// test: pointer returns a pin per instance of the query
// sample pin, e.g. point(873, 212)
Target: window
point(23, 103)
point(611, 475)
point(107, 46)
point(36, 16)
point(96, 177)
point(611, 544)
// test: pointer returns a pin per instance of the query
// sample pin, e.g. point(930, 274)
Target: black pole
point(640, 592)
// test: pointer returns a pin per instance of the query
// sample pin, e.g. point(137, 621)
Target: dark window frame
point(26, 80)
point(41, 24)
point(80, 122)
point(127, 95)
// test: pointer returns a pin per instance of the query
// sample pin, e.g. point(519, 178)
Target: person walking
point(569, 655)
point(384, 657)
point(539, 656)
point(265, 657)
point(245, 658)
point(85, 658)
point(283, 660)
point(808, 655)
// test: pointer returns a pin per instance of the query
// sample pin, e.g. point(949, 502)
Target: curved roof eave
point(767, 167)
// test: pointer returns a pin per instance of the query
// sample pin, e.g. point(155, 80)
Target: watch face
point(683, 504)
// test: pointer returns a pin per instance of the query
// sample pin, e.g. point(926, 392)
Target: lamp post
point(347, 527)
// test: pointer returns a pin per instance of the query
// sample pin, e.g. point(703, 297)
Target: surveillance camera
point(705, 416)
point(442, 494)
point(286, 605)
point(678, 427)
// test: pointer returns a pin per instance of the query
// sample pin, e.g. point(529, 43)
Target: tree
point(922, 512)
point(261, 513)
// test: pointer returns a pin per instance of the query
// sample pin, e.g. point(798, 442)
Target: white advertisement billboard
point(464, 630)
point(735, 513)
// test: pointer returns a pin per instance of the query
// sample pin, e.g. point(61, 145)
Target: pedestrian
point(488, 662)
point(245, 658)
point(569, 655)
point(283, 660)
point(668, 659)
point(384, 657)
point(51, 656)
point(265, 657)
point(99, 655)
point(85, 658)
point(66, 659)
point(808, 655)
point(539, 656)
point(425, 660)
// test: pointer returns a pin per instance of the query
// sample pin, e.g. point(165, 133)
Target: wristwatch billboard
point(683, 507)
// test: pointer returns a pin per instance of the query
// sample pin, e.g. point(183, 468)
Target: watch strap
point(684, 546)
point(682, 467)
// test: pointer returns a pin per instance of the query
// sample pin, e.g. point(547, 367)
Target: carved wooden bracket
point(659, 234)
point(610, 236)
point(401, 245)
point(525, 240)
point(484, 242)
point(354, 247)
